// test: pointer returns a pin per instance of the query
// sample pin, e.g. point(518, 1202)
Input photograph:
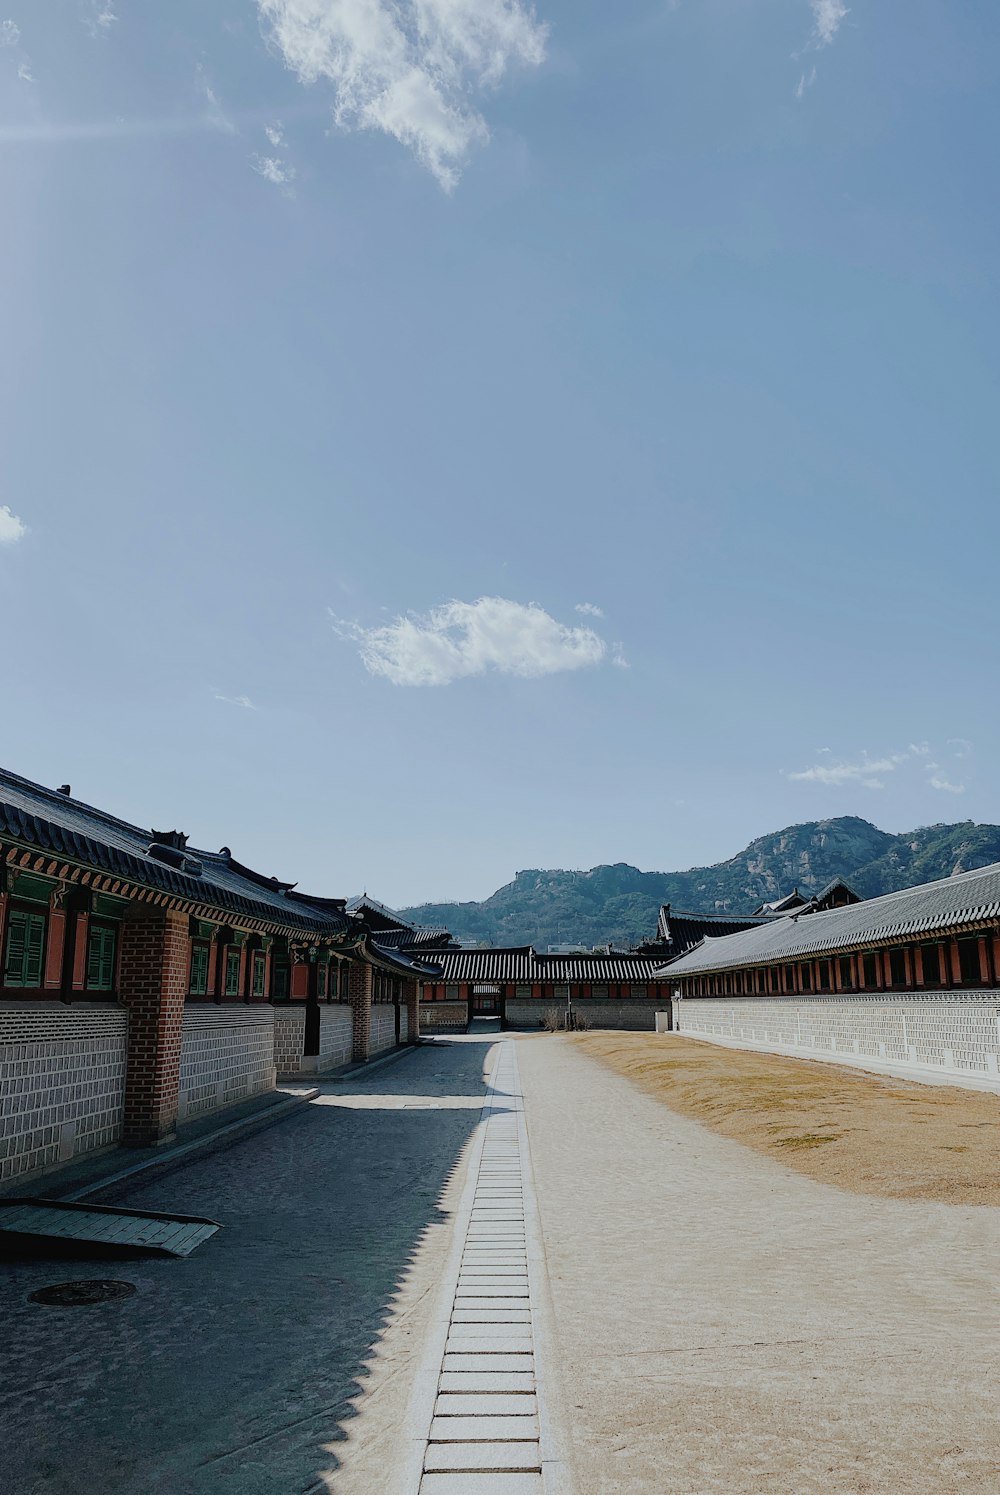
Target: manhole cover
point(79, 1294)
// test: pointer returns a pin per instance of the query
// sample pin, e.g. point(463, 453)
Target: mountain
point(619, 903)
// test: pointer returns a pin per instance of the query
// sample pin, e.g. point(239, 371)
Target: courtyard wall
point(949, 1037)
point(227, 1055)
point(62, 1083)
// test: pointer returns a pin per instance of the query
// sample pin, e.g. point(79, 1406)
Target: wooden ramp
point(98, 1229)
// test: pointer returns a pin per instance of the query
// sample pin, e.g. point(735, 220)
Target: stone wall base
point(631, 1016)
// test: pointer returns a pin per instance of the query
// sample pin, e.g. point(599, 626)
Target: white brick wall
point(382, 1034)
point(289, 1035)
point(404, 1023)
point(227, 1055)
point(953, 1037)
point(62, 1082)
point(335, 1042)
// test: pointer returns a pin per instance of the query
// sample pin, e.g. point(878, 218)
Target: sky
point(447, 437)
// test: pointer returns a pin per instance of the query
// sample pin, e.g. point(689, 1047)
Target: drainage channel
point(489, 1431)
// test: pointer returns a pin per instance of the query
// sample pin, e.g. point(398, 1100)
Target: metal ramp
point(98, 1229)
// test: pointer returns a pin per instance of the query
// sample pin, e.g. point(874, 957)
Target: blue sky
point(448, 438)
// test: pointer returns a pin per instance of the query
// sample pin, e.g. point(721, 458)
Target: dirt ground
point(725, 1325)
point(870, 1134)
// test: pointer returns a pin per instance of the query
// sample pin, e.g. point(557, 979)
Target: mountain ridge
point(618, 903)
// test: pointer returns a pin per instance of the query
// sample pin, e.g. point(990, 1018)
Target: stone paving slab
point(481, 1484)
point(477, 1429)
point(491, 1458)
point(493, 1303)
point(486, 1404)
point(498, 1361)
point(490, 1315)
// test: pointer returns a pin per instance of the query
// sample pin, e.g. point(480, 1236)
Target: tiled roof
point(967, 899)
point(412, 939)
point(681, 930)
point(33, 816)
point(522, 964)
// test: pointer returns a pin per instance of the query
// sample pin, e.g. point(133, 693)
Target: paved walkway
point(484, 1389)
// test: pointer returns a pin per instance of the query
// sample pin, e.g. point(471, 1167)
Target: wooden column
point(55, 944)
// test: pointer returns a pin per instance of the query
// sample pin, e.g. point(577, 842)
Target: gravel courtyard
point(722, 1323)
point(726, 1324)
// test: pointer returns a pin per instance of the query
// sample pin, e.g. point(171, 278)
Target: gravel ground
point(868, 1133)
point(276, 1359)
point(726, 1324)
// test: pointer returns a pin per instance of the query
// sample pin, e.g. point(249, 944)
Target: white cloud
point(805, 82)
point(12, 529)
point(961, 747)
point(618, 658)
point(10, 33)
point(827, 16)
point(273, 169)
point(864, 770)
point(101, 18)
point(590, 609)
point(274, 133)
point(870, 772)
point(243, 701)
point(217, 116)
point(460, 639)
point(407, 67)
point(24, 72)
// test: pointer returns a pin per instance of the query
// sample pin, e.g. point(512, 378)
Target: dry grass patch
point(867, 1133)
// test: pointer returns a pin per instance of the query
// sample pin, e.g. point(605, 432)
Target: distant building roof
point(523, 964)
point(678, 930)
point(969, 898)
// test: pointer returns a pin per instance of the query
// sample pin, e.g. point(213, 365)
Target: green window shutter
point(25, 949)
point(258, 974)
point(13, 970)
point(101, 959)
point(199, 970)
point(232, 973)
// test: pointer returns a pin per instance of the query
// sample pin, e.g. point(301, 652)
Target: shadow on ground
point(244, 1369)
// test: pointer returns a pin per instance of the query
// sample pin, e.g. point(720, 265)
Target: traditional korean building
point(910, 980)
point(143, 982)
point(519, 986)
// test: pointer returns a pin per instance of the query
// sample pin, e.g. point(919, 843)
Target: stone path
point(488, 1433)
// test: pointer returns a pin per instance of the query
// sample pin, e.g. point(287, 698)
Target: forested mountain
point(619, 903)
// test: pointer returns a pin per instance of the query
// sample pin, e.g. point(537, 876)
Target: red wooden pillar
point(918, 966)
point(80, 939)
point(55, 944)
point(4, 911)
point(153, 981)
point(954, 963)
point(243, 990)
point(984, 961)
point(299, 979)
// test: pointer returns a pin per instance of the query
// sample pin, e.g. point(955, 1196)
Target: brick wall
point(948, 1036)
point(227, 1055)
point(634, 1016)
point(153, 982)
point(443, 1017)
point(382, 1033)
point(335, 1038)
point(404, 1023)
point(62, 1083)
